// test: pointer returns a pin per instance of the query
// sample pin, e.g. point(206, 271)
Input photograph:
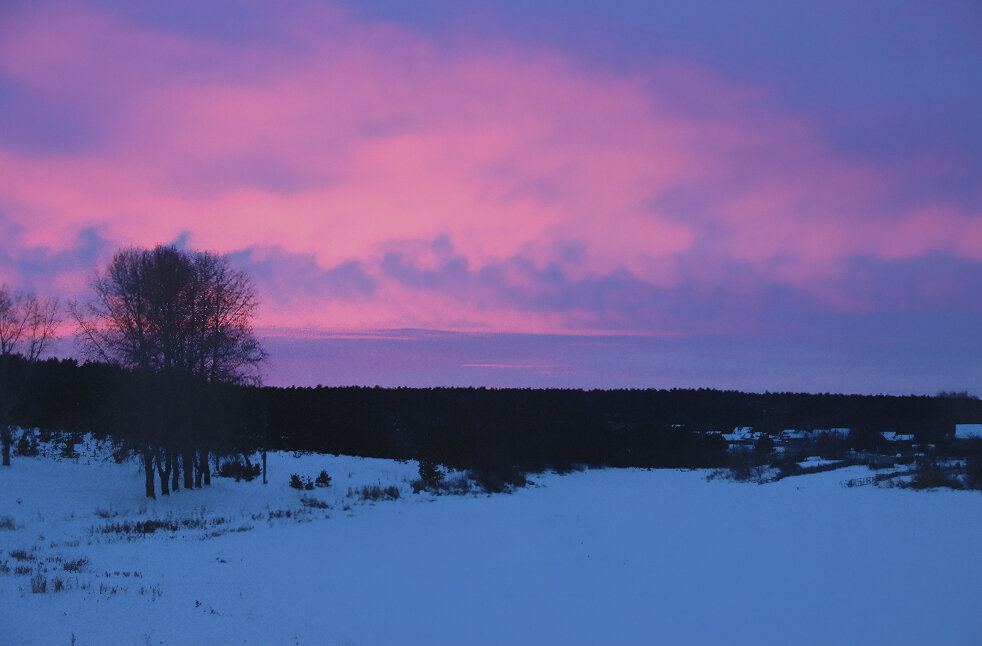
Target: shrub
point(786, 463)
point(314, 503)
point(500, 480)
point(39, 583)
point(6, 522)
point(375, 493)
point(430, 473)
point(301, 483)
point(77, 565)
point(27, 445)
point(21, 555)
point(239, 471)
point(68, 448)
point(323, 480)
point(458, 485)
point(931, 477)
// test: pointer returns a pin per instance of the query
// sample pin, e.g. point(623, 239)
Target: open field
point(604, 556)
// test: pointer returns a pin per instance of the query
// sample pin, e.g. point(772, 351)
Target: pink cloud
point(340, 148)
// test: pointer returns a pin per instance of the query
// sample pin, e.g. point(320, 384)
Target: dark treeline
point(503, 431)
point(136, 408)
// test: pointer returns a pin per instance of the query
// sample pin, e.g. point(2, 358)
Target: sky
point(758, 195)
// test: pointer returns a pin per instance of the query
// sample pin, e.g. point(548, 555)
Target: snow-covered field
point(596, 557)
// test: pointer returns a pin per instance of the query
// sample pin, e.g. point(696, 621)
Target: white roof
point(968, 431)
point(893, 436)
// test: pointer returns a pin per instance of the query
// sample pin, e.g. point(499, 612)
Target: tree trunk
point(198, 471)
point(203, 468)
point(163, 468)
point(8, 439)
point(148, 470)
point(188, 470)
point(175, 483)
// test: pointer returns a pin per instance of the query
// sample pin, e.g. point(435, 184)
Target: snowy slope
point(598, 557)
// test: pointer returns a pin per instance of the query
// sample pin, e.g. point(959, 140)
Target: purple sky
point(752, 195)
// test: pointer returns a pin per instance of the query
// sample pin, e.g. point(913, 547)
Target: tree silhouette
point(182, 322)
point(27, 327)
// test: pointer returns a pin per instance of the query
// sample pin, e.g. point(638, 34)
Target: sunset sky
point(773, 195)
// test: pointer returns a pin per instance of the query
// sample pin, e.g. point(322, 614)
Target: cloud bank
point(372, 175)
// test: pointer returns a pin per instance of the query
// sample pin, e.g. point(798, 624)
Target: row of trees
point(494, 433)
point(179, 325)
point(181, 321)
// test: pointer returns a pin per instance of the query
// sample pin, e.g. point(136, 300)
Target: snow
point(815, 461)
point(968, 431)
point(611, 556)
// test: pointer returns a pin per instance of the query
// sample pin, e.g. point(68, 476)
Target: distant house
point(742, 436)
point(893, 436)
point(968, 431)
point(793, 437)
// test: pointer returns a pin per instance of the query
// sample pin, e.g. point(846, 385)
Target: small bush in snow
point(375, 493)
point(6, 522)
point(77, 565)
point(931, 477)
point(4, 567)
point(21, 555)
point(121, 454)
point(22, 570)
point(429, 473)
point(456, 485)
point(314, 503)
point(27, 446)
point(501, 480)
point(239, 471)
point(68, 448)
point(323, 480)
point(39, 582)
point(459, 484)
point(153, 525)
point(299, 483)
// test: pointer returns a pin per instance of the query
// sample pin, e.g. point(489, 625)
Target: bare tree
point(177, 318)
point(27, 328)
